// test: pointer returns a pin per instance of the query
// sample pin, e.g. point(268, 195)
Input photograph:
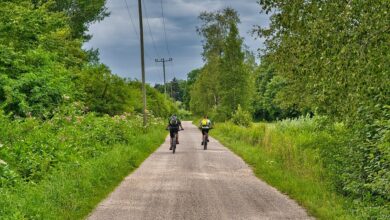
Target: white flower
point(65, 97)
point(2, 162)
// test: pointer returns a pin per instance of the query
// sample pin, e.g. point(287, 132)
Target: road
point(195, 184)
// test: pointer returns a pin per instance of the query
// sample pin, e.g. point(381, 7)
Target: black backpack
point(173, 121)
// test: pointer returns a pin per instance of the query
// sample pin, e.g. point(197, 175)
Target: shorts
point(173, 131)
point(205, 130)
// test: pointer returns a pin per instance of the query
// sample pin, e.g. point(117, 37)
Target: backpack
point(173, 121)
point(204, 122)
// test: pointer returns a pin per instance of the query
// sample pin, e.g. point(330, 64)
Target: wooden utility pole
point(163, 60)
point(141, 26)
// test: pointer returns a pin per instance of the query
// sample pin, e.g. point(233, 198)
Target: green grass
point(71, 189)
point(286, 155)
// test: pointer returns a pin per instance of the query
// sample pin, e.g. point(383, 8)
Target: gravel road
point(195, 184)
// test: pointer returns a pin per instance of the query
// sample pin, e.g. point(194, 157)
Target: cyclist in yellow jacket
point(205, 126)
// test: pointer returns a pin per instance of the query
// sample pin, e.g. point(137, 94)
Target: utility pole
point(141, 26)
point(163, 60)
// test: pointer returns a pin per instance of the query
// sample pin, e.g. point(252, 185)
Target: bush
point(242, 117)
point(314, 161)
point(38, 157)
point(184, 114)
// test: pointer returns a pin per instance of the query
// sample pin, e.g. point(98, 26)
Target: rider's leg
point(172, 135)
point(177, 137)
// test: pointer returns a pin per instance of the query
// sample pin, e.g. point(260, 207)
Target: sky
point(117, 36)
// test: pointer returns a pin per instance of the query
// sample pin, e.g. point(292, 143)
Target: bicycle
point(173, 143)
point(205, 140)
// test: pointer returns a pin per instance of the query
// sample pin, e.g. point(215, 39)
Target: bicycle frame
point(205, 138)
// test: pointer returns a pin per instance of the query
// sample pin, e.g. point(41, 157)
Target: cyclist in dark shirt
point(174, 125)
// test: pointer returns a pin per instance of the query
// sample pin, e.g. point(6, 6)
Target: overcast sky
point(118, 42)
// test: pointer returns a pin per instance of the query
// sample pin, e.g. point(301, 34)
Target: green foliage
point(104, 92)
point(81, 13)
point(34, 73)
point(225, 81)
point(334, 59)
point(65, 138)
point(69, 131)
point(266, 105)
point(215, 29)
point(176, 89)
point(304, 158)
point(184, 114)
point(233, 79)
point(242, 117)
point(42, 66)
point(156, 102)
point(61, 168)
point(191, 79)
point(204, 92)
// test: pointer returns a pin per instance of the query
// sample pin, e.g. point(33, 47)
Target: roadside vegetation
point(70, 129)
point(322, 84)
point(61, 168)
point(305, 159)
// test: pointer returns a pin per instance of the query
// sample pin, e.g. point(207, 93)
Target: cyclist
point(174, 124)
point(205, 126)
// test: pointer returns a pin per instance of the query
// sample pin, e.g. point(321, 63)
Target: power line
point(163, 61)
point(135, 27)
point(150, 30)
point(165, 32)
point(131, 18)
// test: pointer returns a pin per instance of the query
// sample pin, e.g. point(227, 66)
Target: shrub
point(242, 117)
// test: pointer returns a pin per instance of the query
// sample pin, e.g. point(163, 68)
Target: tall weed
point(61, 168)
point(306, 158)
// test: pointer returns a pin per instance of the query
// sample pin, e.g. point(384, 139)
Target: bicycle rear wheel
point(174, 144)
point(205, 141)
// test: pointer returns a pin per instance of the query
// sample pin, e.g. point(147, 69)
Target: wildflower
point(65, 97)
point(2, 162)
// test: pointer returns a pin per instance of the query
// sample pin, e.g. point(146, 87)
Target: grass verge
point(288, 158)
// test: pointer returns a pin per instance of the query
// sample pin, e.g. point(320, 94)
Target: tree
point(187, 86)
point(105, 93)
point(224, 82)
point(204, 92)
point(215, 29)
point(34, 71)
point(266, 104)
point(334, 57)
point(81, 13)
point(233, 79)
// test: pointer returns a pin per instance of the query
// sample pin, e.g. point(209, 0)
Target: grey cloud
point(119, 44)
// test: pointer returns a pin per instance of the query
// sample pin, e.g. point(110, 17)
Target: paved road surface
point(195, 184)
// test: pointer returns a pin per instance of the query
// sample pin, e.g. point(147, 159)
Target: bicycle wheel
point(174, 144)
point(205, 142)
